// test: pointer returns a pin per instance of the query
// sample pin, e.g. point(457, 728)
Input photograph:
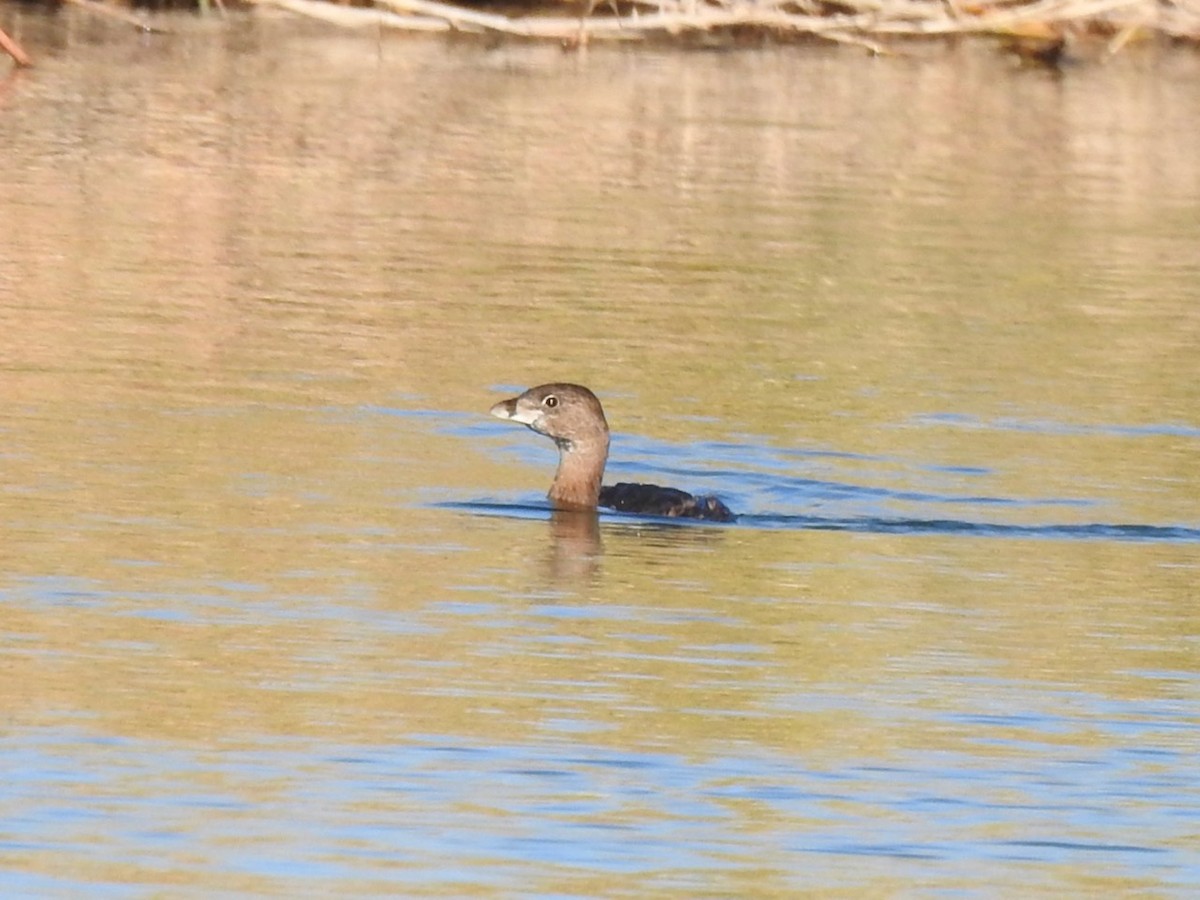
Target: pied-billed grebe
point(571, 416)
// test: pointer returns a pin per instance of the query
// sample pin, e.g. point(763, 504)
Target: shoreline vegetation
point(1046, 32)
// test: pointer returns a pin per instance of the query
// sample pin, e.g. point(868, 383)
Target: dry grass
point(1046, 30)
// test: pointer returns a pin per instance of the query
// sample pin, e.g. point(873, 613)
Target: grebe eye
point(551, 401)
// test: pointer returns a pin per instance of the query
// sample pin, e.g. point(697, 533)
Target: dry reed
point(1043, 29)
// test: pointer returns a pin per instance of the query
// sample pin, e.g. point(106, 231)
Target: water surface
point(283, 611)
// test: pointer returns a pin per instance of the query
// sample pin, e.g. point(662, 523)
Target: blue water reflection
point(435, 811)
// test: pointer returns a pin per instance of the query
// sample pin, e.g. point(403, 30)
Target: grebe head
point(568, 414)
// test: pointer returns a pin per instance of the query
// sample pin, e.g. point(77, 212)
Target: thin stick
point(356, 16)
point(874, 47)
point(103, 9)
point(456, 15)
point(13, 49)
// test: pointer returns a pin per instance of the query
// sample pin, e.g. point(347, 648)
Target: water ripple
point(1091, 531)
